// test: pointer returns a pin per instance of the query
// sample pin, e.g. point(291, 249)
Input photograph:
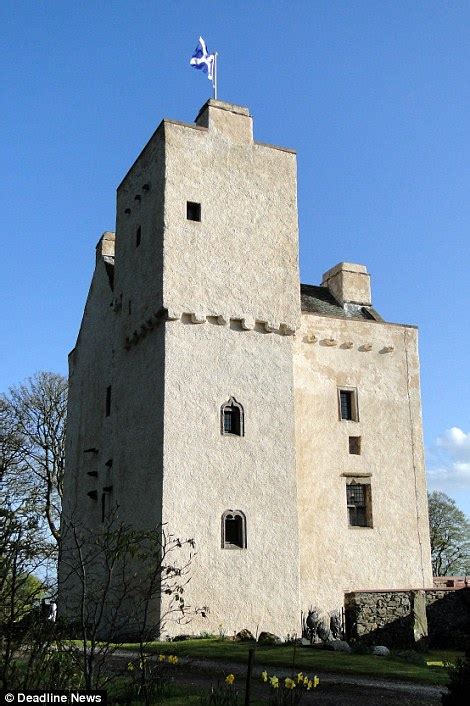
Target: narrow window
point(108, 400)
point(233, 530)
point(103, 506)
point(348, 408)
point(138, 236)
point(355, 445)
point(193, 211)
point(129, 307)
point(232, 418)
point(358, 498)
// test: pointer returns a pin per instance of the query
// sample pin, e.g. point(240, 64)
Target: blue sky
point(374, 96)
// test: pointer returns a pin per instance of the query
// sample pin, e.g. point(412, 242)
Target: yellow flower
point(274, 681)
point(309, 685)
point(161, 658)
point(289, 683)
point(264, 676)
point(316, 682)
point(300, 677)
point(230, 678)
point(173, 659)
point(130, 667)
point(306, 681)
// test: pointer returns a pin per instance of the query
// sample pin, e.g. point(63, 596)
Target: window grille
point(358, 502)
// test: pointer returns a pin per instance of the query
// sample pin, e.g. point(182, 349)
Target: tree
point(450, 536)
point(119, 582)
point(32, 443)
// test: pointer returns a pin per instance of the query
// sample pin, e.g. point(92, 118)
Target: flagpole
point(214, 83)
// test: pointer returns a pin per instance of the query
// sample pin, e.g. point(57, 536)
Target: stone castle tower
point(277, 424)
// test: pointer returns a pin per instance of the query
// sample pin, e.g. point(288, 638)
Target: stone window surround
point(354, 403)
point(233, 514)
point(232, 403)
point(361, 479)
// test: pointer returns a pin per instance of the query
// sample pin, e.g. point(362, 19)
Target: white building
point(277, 424)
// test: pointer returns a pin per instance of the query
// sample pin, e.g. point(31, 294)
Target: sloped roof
point(319, 300)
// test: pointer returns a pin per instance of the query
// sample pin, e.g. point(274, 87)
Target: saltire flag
point(202, 60)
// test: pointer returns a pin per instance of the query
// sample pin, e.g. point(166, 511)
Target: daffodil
point(309, 685)
point(274, 681)
point(316, 682)
point(300, 678)
point(130, 667)
point(306, 681)
point(161, 658)
point(230, 678)
point(289, 683)
point(264, 676)
point(173, 659)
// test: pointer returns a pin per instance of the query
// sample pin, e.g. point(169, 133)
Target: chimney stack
point(349, 283)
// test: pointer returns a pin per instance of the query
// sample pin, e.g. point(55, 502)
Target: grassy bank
point(431, 671)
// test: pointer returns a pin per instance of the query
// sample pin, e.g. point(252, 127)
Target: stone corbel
point(366, 347)
point(173, 315)
point(311, 338)
point(286, 330)
point(197, 318)
point(347, 345)
point(248, 324)
point(330, 342)
point(387, 349)
point(223, 319)
point(270, 326)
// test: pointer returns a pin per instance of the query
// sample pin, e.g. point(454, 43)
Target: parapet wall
point(440, 618)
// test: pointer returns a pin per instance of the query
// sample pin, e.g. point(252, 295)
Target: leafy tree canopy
point(450, 536)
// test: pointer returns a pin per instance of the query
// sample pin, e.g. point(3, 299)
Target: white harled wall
point(204, 311)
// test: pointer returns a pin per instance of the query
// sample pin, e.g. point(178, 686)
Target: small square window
point(355, 445)
point(193, 211)
point(348, 407)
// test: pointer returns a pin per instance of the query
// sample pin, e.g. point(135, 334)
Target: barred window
point(358, 498)
point(233, 530)
point(232, 418)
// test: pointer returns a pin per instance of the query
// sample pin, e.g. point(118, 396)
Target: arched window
point(231, 418)
point(233, 530)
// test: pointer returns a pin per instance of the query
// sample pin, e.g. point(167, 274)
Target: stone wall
point(440, 618)
point(448, 617)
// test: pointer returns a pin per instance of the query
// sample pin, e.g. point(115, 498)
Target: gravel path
point(334, 689)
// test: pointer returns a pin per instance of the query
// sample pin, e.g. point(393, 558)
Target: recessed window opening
point(355, 445)
point(193, 211)
point(138, 236)
point(358, 498)
point(108, 400)
point(348, 407)
point(232, 418)
point(233, 530)
point(129, 307)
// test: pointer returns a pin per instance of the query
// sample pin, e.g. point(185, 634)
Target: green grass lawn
point(313, 661)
